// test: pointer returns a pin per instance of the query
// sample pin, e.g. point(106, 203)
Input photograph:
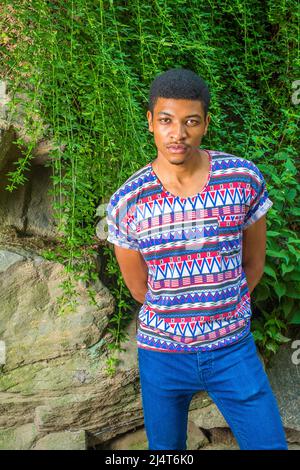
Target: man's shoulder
point(132, 186)
point(230, 159)
point(227, 161)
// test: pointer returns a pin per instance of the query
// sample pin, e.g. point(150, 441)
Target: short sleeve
point(121, 227)
point(260, 202)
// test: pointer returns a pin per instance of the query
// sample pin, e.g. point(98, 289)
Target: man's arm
point(134, 271)
point(254, 251)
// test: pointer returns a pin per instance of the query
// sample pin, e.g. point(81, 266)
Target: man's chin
point(178, 162)
point(179, 158)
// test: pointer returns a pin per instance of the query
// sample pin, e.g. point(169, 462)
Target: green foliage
point(86, 68)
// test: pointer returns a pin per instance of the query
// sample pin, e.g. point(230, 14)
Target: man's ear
point(207, 123)
point(150, 123)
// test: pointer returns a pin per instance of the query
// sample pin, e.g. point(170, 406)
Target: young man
point(189, 231)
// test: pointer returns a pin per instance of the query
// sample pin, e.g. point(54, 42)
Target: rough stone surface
point(208, 417)
point(284, 376)
point(55, 374)
point(292, 436)
point(220, 446)
point(28, 207)
point(29, 289)
point(62, 441)
point(195, 437)
point(137, 440)
point(8, 258)
point(222, 436)
point(21, 438)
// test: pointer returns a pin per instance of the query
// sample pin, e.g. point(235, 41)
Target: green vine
point(78, 74)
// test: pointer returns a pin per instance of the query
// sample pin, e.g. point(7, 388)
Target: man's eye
point(192, 121)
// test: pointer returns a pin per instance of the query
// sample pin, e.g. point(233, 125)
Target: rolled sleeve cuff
point(259, 213)
point(122, 243)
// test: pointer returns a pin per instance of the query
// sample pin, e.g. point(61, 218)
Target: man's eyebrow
point(169, 114)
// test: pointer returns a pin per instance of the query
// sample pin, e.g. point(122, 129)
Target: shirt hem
point(245, 332)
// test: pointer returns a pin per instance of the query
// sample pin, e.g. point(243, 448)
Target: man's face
point(178, 126)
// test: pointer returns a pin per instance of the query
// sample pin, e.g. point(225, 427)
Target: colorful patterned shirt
point(198, 297)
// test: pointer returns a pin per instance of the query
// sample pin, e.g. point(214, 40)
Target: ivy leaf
point(278, 254)
point(295, 318)
point(271, 346)
point(280, 289)
point(281, 338)
point(262, 292)
point(287, 306)
point(270, 271)
point(287, 269)
point(272, 233)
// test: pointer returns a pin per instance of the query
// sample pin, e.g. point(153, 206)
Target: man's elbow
point(257, 267)
point(139, 294)
point(260, 271)
point(138, 290)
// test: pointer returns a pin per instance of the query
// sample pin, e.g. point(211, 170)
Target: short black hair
point(179, 84)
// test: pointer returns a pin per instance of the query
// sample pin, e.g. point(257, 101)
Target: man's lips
point(177, 148)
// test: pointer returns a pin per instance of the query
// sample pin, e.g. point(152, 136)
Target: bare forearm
point(134, 270)
point(139, 293)
point(253, 276)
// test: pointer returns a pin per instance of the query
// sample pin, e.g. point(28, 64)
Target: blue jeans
point(234, 378)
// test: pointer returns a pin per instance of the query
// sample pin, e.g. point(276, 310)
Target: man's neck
point(180, 173)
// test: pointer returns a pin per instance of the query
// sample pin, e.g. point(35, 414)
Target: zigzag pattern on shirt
point(195, 267)
point(196, 297)
point(217, 198)
point(189, 328)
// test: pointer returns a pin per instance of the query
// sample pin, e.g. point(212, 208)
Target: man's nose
point(178, 131)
